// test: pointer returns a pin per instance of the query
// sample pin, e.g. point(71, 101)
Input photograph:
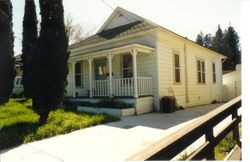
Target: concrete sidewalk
point(112, 141)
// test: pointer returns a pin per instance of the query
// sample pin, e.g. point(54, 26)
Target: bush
point(112, 103)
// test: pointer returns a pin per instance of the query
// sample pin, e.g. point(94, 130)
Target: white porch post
point(73, 79)
point(90, 59)
point(110, 56)
point(134, 53)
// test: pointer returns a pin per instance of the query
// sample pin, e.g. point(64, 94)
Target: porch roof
point(117, 50)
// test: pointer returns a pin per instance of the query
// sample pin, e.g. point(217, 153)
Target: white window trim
point(201, 71)
point(175, 52)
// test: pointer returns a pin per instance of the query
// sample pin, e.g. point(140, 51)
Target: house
point(137, 61)
point(232, 84)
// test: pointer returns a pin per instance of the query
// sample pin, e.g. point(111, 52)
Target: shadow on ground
point(15, 134)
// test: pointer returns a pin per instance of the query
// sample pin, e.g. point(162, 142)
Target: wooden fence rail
point(172, 145)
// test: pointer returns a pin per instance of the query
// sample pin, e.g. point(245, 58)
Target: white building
point(232, 84)
point(138, 61)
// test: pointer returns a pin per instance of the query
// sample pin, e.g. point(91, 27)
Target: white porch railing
point(144, 85)
point(100, 88)
point(123, 87)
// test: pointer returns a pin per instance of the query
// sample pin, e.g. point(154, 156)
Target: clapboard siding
point(197, 93)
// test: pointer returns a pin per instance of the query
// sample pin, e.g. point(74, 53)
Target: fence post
point(236, 132)
point(210, 150)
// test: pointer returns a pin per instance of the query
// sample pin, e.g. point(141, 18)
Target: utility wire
point(104, 2)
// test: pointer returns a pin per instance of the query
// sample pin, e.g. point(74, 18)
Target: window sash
point(177, 70)
point(201, 71)
point(78, 80)
point(127, 70)
point(214, 73)
point(78, 74)
point(177, 76)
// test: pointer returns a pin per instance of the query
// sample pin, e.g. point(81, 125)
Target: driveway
point(112, 141)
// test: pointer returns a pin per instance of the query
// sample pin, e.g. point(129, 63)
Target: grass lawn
point(19, 123)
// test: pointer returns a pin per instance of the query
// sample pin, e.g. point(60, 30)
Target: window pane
point(214, 78)
point(199, 77)
point(198, 65)
point(203, 78)
point(203, 66)
point(127, 61)
point(177, 76)
point(127, 66)
point(127, 73)
point(78, 80)
point(214, 67)
point(78, 68)
point(177, 60)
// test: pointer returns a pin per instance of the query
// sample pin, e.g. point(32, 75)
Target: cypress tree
point(7, 71)
point(217, 44)
point(50, 59)
point(29, 43)
point(231, 49)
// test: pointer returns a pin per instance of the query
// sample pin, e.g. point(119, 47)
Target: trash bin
point(168, 104)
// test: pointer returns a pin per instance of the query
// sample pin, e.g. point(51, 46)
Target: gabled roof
point(129, 23)
point(122, 23)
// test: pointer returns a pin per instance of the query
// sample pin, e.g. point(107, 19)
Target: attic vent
point(120, 15)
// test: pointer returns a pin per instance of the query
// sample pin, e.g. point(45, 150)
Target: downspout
point(186, 74)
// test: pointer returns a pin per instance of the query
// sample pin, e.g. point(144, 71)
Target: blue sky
point(185, 17)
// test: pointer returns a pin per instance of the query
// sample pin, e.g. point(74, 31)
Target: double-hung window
point(127, 70)
point(214, 72)
point(177, 70)
point(201, 71)
point(78, 74)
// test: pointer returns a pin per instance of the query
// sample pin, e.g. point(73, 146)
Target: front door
point(100, 67)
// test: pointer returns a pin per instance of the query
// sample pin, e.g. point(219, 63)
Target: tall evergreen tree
point(217, 43)
point(29, 43)
point(199, 39)
point(207, 41)
point(231, 49)
point(7, 72)
point(51, 59)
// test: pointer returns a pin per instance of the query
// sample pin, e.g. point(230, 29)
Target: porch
point(118, 72)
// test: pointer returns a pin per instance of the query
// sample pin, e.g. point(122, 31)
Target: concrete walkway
point(112, 141)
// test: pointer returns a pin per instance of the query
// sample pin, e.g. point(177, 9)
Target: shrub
point(112, 103)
